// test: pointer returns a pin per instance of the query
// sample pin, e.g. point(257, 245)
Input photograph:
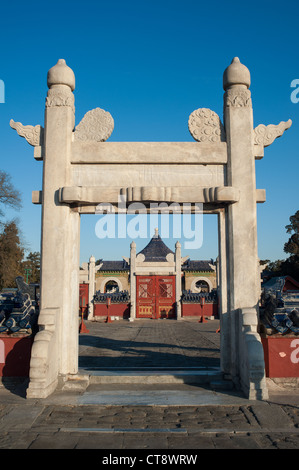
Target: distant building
point(155, 283)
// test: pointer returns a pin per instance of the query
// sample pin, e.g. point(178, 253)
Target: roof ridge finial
point(156, 232)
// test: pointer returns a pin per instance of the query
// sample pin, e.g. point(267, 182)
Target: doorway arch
point(111, 284)
point(201, 284)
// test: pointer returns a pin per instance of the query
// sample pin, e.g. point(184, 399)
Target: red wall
point(207, 310)
point(281, 356)
point(15, 354)
point(115, 310)
point(188, 309)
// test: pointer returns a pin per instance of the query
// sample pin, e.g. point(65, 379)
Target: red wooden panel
point(155, 296)
point(145, 293)
point(165, 306)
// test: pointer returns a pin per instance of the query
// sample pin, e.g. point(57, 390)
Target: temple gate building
point(156, 283)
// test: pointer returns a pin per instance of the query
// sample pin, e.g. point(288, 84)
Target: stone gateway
point(217, 170)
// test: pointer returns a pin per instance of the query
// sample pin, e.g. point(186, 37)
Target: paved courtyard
point(150, 344)
point(176, 418)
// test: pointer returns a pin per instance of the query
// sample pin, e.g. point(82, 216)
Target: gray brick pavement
point(217, 420)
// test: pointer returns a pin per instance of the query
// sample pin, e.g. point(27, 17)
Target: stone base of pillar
point(36, 390)
point(43, 372)
point(251, 364)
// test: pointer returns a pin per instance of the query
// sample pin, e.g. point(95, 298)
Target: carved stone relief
point(96, 125)
point(60, 97)
point(33, 134)
point(206, 126)
point(237, 98)
point(265, 135)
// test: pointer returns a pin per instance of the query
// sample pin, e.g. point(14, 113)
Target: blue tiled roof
point(203, 265)
point(114, 266)
point(155, 250)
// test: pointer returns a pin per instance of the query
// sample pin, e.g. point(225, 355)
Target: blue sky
point(150, 64)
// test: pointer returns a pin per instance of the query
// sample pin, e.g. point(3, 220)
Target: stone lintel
point(93, 208)
point(149, 152)
point(88, 198)
point(97, 195)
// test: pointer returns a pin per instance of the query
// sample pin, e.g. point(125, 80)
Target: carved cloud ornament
point(206, 126)
point(265, 135)
point(33, 134)
point(96, 125)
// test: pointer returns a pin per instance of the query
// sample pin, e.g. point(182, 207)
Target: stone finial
point(156, 233)
point(92, 259)
point(61, 74)
point(236, 74)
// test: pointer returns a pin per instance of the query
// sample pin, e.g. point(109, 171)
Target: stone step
point(76, 383)
point(222, 385)
point(155, 376)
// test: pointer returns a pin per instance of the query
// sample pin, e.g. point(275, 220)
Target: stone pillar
point(225, 339)
point(178, 280)
point(55, 348)
point(241, 224)
point(133, 281)
point(91, 287)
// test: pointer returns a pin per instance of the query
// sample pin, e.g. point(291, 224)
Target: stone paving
point(150, 343)
point(68, 420)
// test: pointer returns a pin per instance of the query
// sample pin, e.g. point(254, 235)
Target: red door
point(155, 297)
point(165, 300)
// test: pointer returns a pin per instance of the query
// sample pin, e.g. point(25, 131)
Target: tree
point(9, 196)
point(31, 268)
point(291, 265)
point(275, 266)
point(11, 255)
point(292, 245)
point(11, 250)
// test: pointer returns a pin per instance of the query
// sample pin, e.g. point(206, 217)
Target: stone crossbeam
point(97, 195)
point(153, 152)
point(149, 153)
